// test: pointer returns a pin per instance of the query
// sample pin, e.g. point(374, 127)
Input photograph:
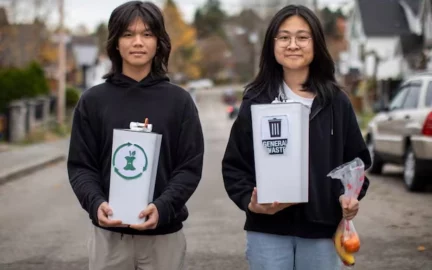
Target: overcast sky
point(92, 12)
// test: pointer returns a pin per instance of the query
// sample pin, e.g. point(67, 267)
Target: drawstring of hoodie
point(122, 234)
point(332, 116)
point(282, 98)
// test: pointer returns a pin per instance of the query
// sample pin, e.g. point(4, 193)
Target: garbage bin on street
point(3, 127)
point(17, 121)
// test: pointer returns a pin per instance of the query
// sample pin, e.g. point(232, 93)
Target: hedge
point(21, 83)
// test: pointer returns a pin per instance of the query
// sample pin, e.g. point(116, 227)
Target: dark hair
point(321, 79)
point(118, 23)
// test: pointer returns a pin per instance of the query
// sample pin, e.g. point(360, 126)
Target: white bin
point(281, 151)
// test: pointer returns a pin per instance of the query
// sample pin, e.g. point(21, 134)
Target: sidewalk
point(24, 160)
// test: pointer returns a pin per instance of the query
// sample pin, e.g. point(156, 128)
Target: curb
point(23, 170)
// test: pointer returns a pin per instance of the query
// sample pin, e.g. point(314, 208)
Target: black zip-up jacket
point(116, 103)
point(334, 138)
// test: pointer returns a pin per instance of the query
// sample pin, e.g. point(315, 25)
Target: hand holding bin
point(135, 157)
point(346, 239)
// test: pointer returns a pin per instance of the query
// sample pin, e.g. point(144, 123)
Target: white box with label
point(135, 157)
point(281, 151)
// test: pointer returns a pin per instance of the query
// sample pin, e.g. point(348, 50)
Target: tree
point(216, 51)
point(209, 19)
point(185, 56)
point(30, 10)
point(101, 34)
point(334, 24)
point(330, 21)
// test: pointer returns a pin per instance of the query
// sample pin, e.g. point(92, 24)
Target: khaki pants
point(112, 251)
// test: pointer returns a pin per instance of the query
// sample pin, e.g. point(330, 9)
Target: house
point(244, 32)
point(385, 39)
point(81, 58)
point(20, 44)
point(85, 53)
point(96, 72)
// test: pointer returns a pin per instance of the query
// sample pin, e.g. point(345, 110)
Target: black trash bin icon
point(275, 127)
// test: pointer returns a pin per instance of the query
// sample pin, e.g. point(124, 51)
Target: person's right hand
point(104, 210)
point(268, 209)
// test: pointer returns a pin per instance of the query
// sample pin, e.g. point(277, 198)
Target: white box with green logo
point(281, 151)
point(135, 156)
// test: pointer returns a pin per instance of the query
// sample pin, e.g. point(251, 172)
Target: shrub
point(21, 83)
point(72, 96)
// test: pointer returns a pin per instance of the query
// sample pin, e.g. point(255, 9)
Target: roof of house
point(384, 17)
point(85, 55)
point(84, 40)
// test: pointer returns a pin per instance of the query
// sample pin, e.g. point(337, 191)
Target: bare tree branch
point(28, 10)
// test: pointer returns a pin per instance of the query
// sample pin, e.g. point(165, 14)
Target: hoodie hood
point(124, 81)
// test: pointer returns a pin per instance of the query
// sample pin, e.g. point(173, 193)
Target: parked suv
point(402, 132)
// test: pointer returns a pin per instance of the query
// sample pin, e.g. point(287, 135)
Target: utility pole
point(315, 6)
point(61, 66)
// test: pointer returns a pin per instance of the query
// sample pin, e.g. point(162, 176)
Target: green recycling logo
point(130, 161)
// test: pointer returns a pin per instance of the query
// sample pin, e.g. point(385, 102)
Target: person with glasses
point(296, 65)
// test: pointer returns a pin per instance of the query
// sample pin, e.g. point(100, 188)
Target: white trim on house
point(390, 63)
point(414, 22)
point(426, 17)
point(355, 36)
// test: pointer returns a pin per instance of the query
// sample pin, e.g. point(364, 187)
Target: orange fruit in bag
point(352, 243)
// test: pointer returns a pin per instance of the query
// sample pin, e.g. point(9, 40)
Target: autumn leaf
point(185, 55)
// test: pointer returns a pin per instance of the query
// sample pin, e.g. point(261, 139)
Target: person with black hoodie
point(136, 88)
point(296, 65)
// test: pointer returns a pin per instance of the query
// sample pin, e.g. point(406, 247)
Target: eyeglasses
point(284, 41)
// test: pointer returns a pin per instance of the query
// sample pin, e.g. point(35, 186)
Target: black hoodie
point(113, 105)
point(334, 138)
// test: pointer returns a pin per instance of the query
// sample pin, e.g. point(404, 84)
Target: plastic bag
point(346, 238)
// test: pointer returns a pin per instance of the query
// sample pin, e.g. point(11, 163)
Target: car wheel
point(377, 162)
point(412, 178)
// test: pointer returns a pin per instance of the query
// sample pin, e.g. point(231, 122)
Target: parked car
point(200, 84)
point(402, 132)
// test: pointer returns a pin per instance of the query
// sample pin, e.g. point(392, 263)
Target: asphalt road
point(42, 226)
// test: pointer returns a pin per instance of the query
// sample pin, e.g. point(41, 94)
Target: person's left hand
point(350, 207)
point(152, 215)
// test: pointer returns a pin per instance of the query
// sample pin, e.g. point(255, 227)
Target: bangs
point(137, 14)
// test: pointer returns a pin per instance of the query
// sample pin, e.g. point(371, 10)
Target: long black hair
point(321, 79)
point(118, 23)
